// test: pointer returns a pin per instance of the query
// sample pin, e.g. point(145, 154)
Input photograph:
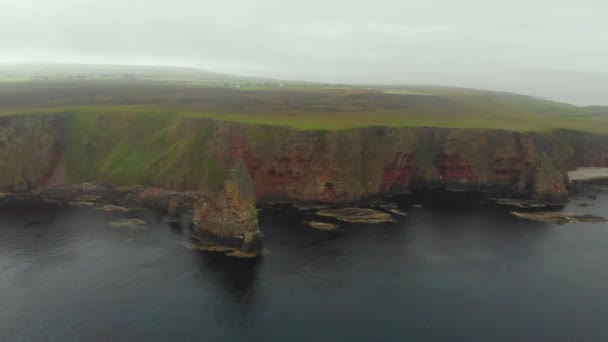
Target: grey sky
point(555, 49)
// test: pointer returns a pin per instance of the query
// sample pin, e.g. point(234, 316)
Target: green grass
point(342, 120)
point(303, 106)
point(138, 147)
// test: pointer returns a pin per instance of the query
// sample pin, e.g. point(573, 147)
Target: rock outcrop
point(356, 215)
point(227, 220)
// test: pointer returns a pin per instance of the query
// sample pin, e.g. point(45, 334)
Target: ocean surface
point(468, 272)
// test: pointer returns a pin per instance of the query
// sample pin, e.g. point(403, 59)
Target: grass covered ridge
point(303, 107)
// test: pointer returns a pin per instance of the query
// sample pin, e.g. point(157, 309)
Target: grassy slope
point(139, 148)
point(178, 92)
point(306, 107)
point(472, 110)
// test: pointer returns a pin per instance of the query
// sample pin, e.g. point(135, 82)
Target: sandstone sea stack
point(227, 220)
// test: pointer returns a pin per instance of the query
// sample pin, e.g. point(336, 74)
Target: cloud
point(365, 41)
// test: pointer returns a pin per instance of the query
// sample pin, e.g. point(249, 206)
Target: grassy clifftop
point(303, 107)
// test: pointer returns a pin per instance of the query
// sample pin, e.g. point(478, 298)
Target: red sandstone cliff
point(348, 166)
point(314, 166)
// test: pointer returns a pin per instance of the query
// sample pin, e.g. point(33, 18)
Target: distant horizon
point(549, 50)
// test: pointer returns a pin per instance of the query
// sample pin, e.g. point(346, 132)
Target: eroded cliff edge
point(50, 155)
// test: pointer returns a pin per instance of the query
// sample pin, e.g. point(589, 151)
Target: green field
point(182, 93)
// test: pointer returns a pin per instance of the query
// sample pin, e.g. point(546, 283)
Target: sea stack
point(227, 220)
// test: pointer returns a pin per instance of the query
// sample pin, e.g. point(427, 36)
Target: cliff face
point(30, 150)
point(348, 166)
point(285, 164)
point(589, 149)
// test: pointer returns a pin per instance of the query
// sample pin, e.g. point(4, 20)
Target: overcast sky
point(550, 48)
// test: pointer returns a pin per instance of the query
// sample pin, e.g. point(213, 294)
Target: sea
point(451, 270)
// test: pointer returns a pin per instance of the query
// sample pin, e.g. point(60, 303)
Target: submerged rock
point(308, 206)
point(82, 204)
point(356, 215)
point(322, 225)
point(228, 251)
point(397, 212)
point(128, 223)
point(518, 203)
point(110, 208)
point(558, 217)
point(386, 205)
point(89, 198)
point(227, 221)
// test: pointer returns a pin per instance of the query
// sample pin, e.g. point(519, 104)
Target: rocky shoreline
point(155, 198)
point(225, 221)
point(175, 202)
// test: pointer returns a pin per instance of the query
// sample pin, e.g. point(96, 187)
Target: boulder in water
point(356, 215)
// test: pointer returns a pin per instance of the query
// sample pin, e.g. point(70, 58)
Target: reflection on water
point(452, 269)
point(237, 278)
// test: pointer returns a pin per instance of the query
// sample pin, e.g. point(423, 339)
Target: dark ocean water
point(472, 273)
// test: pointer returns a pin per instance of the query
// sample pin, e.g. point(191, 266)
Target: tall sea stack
point(227, 220)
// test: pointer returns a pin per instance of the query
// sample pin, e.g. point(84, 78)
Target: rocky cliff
point(31, 149)
point(227, 218)
point(353, 165)
point(587, 149)
point(48, 152)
